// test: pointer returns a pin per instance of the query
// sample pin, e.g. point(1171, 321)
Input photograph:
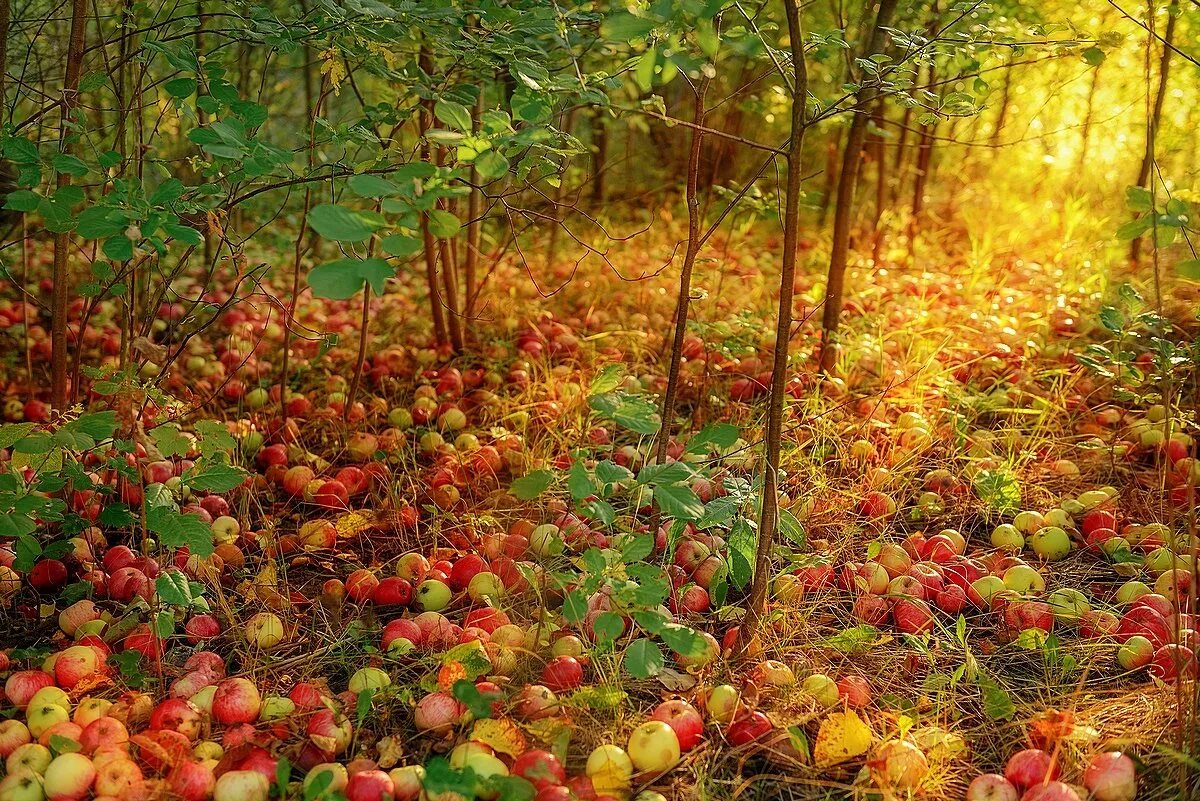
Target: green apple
point(1024, 579)
point(1051, 543)
point(369, 678)
point(544, 540)
point(1068, 604)
point(822, 688)
point(432, 595)
point(1008, 538)
point(484, 585)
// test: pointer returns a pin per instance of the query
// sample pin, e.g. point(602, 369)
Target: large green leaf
point(345, 278)
point(342, 224)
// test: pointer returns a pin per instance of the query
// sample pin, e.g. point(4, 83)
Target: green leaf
point(1189, 269)
point(678, 501)
point(212, 476)
point(118, 248)
point(98, 222)
point(579, 482)
point(792, 528)
point(173, 588)
point(479, 703)
point(22, 200)
point(12, 433)
point(1138, 198)
point(177, 530)
point(998, 489)
point(531, 485)
point(400, 245)
point(180, 87)
point(1093, 56)
point(341, 224)
point(644, 73)
point(722, 435)
point(643, 659)
point(70, 165)
point(1133, 229)
point(625, 27)
point(637, 548)
point(443, 224)
point(666, 473)
point(491, 165)
point(453, 114)
point(997, 704)
point(170, 440)
point(608, 626)
point(853, 640)
point(629, 411)
point(345, 278)
point(372, 186)
point(610, 472)
point(608, 379)
point(575, 606)
point(742, 544)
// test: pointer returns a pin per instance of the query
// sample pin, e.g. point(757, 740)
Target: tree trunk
point(599, 156)
point(430, 247)
point(1143, 177)
point(62, 241)
point(1086, 131)
point(831, 178)
point(1002, 114)
point(768, 522)
point(5, 18)
point(474, 225)
point(881, 180)
point(683, 301)
point(847, 182)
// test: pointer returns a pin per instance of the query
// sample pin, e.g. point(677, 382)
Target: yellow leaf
point(501, 734)
point(450, 673)
point(354, 523)
point(843, 735)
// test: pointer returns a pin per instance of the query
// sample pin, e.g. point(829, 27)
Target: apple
point(438, 713)
point(544, 541)
point(1030, 767)
point(1051, 543)
point(609, 768)
point(855, 690)
point(118, 777)
point(1007, 538)
point(31, 757)
point(369, 678)
point(412, 567)
point(23, 786)
point(822, 689)
point(433, 595)
point(264, 630)
point(331, 730)
point(13, 734)
point(191, 780)
point(104, 732)
point(749, 728)
point(1111, 776)
point(326, 779)
point(1051, 791)
point(484, 586)
point(242, 785)
point(1135, 653)
point(41, 717)
point(236, 701)
point(392, 591)
point(540, 768)
point(684, 720)
point(898, 764)
point(408, 782)
point(370, 785)
point(562, 673)
point(177, 714)
point(69, 777)
point(991, 787)
point(77, 614)
point(21, 686)
point(721, 703)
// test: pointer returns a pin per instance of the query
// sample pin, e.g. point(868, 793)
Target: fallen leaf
point(501, 734)
point(842, 736)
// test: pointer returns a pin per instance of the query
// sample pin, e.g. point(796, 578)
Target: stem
point(683, 301)
point(769, 517)
point(62, 241)
point(847, 183)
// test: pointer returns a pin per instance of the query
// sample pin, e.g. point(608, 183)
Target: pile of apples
point(1034, 775)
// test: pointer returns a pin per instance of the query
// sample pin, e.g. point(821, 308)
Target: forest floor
point(975, 389)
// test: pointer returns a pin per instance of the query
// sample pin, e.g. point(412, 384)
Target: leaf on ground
point(842, 736)
point(501, 734)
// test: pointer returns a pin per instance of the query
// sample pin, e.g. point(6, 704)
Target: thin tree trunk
point(1143, 177)
point(768, 522)
point(435, 297)
point(62, 241)
point(881, 179)
point(5, 18)
point(831, 177)
point(683, 301)
point(847, 183)
point(1085, 133)
point(600, 157)
point(474, 226)
point(1002, 114)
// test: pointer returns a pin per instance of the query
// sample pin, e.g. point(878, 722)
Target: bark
point(1085, 133)
point(683, 301)
point(5, 17)
point(435, 296)
point(62, 241)
point(599, 156)
point(847, 183)
point(831, 178)
point(769, 516)
point(1164, 69)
